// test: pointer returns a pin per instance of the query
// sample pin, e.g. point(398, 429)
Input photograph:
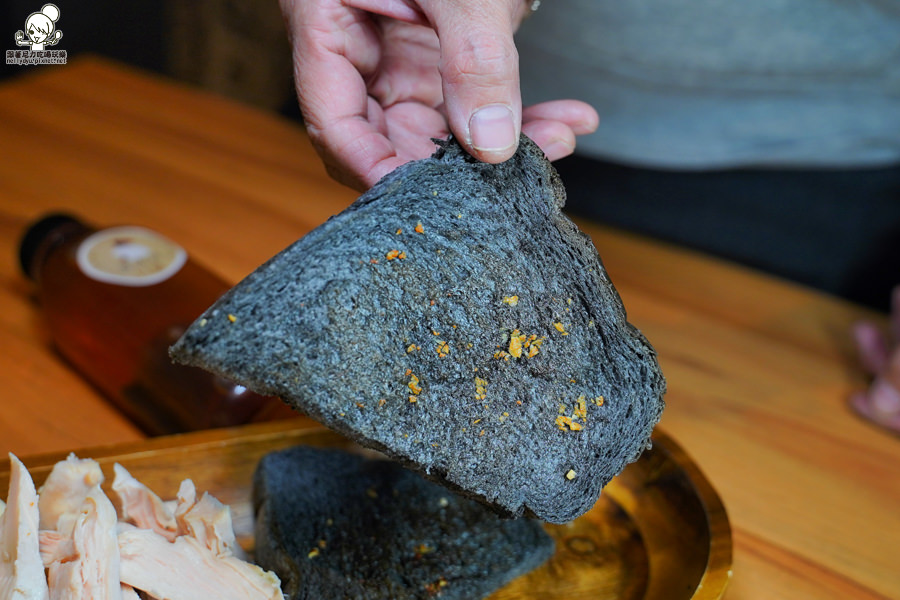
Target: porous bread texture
point(455, 319)
point(332, 524)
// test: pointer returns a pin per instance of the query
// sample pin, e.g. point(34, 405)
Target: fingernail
point(885, 398)
point(492, 128)
point(558, 149)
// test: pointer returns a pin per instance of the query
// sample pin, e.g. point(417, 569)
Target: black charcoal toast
point(454, 319)
point(336, 525)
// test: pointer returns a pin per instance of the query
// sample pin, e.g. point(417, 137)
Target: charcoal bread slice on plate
point(333, 524)
point(456, 320)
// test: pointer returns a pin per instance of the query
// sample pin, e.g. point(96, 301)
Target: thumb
point(480, 74)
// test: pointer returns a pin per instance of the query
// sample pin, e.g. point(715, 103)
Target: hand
point(377, 79)
point(880, 356)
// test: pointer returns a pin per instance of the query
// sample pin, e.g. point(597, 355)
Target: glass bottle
point(115, 299)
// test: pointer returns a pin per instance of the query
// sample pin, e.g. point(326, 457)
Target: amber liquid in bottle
point(114, 301)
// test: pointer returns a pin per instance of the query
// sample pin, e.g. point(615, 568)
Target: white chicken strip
point(184, 501)
point(21, 569)
point(141, 506)
point(92, 571)
point(186, 570)
point(128, 593)
point(55, 546)
point(66, 487)
point(209, 522)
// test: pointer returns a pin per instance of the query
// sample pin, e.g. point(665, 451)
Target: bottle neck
point(45, 236)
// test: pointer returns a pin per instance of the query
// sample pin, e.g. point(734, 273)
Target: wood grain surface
point(759, 370)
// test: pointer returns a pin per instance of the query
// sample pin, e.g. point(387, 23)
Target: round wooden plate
point(658, 532)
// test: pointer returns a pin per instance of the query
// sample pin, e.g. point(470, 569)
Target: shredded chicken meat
point(186, 569)
point(21, 569)
point(66, 487)
point(91, 571)
point(181, 549)
point(141, 506)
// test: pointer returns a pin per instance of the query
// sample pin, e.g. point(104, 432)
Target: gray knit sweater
point(724, 83)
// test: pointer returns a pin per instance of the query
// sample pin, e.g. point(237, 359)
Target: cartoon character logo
point(41, 29)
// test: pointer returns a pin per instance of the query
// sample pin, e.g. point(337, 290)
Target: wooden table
point(759, 370)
